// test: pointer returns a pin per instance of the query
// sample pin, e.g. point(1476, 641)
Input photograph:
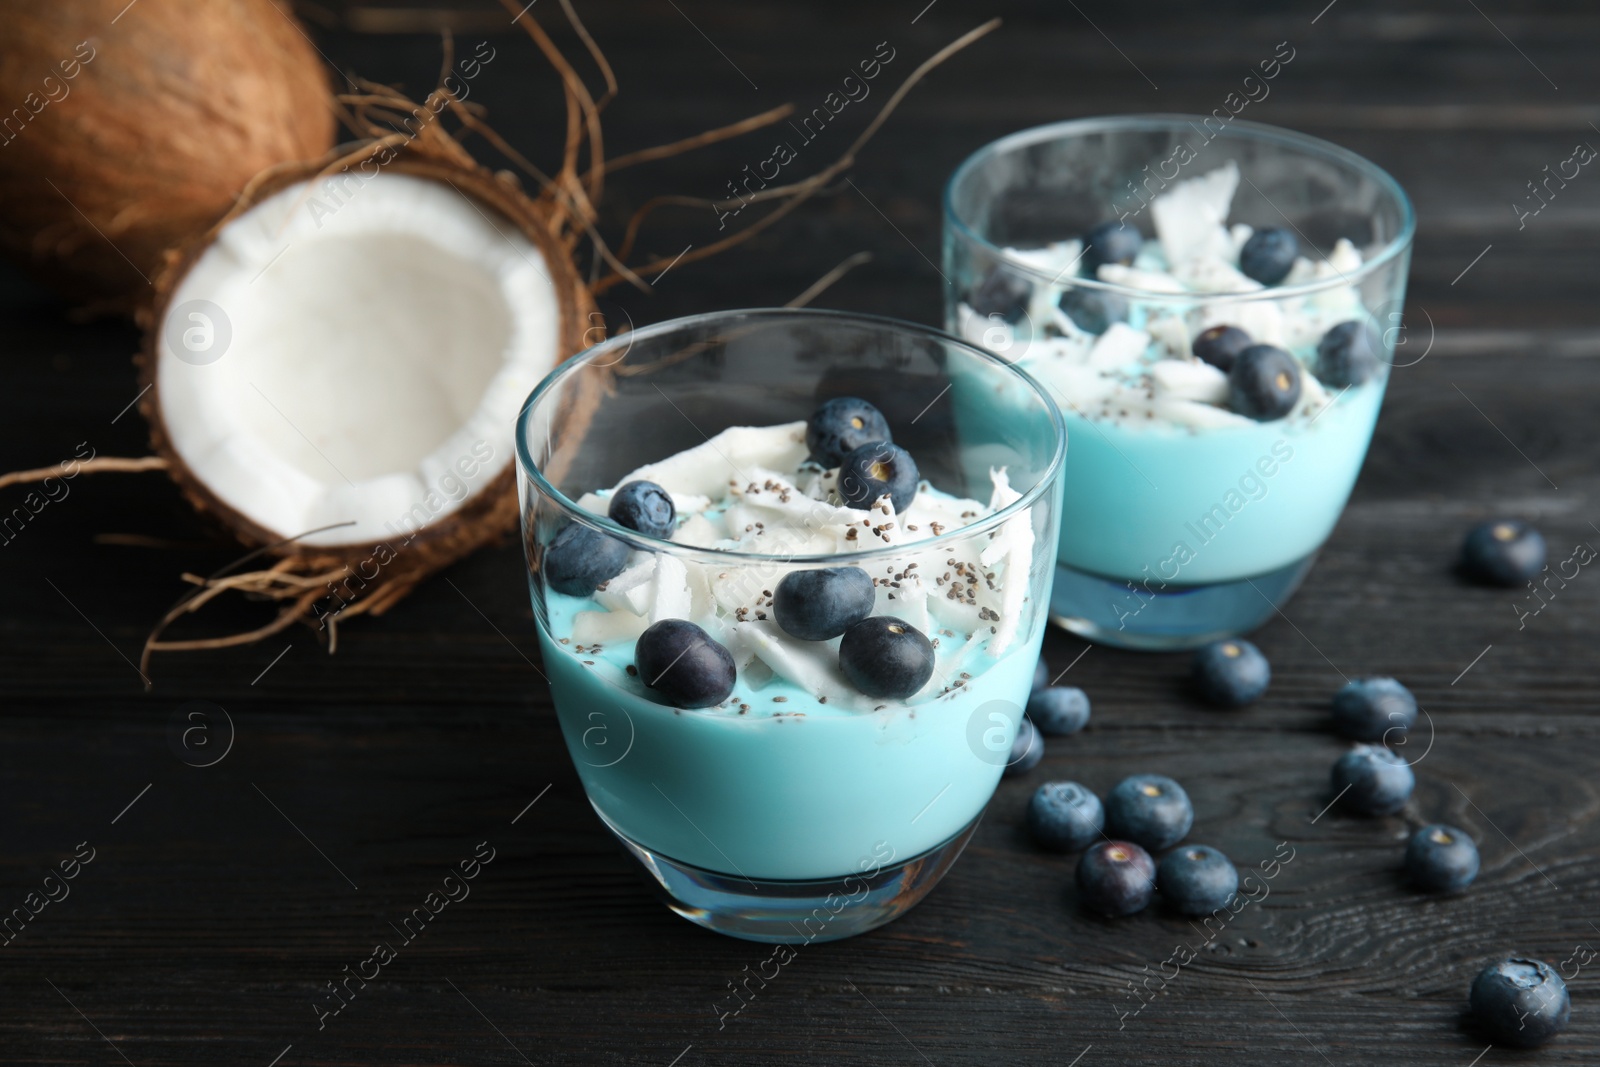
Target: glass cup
point(799, 808)
point(1184, 520)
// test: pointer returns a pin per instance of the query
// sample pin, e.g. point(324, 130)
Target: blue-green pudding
point(797, 774)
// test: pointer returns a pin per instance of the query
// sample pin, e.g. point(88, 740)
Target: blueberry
point(1348, 354)
point(1367, 709)
point(1520, 1002)
point(1372, 780)
point(1231, 673)
point(1027, 749)
point(841, 426)
point(1505, 552)
point(1197, 879)
point(1002, 293)
point(1116, 878)
point(1264, 383)
point(816, 605)
point(1093, 310)
point(883, 656)
point(1441, 859)
point(875, 469)
point(1149, 810)
point(579, 558)
point(1041, 675)
point(1058, 710)
point(681, 663)
point(1110, 242)
point(1269, 254)
point(645, 507)
point(1220, 346)
point(1065, 817)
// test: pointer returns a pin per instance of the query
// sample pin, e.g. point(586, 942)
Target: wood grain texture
point(207, 924)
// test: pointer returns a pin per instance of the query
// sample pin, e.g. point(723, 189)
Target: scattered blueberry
point(1220, 346)
point(877, 468)
point(1116, 878)
point(1521, 1002)
point(1367, 709)
point(816, 605)
point(1002, 293)
point(1231, 673)
point(1372, 780)
point(1505, 552)
point(883, 656)
point(1065, 817)
point(1027, 749)
point(1264, 383)
point(1441, 859)
point(645, 507)
point(579, 558)
point(1348, 354)
point(842, 425)
point(1110, 242)
point(1093, 310)
point(1197, 879)
point(1150, 810)
point(1058, 710)
point(1041, 674)
point(681, 663)
point(1269, 254)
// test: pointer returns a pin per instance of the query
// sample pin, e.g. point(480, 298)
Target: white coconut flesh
point(379, 341)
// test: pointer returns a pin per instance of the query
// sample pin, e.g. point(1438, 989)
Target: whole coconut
point(128, 129)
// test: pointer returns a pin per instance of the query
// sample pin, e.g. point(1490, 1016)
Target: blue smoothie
point(1165, 486)
point(798, 774)
point(775, 785)
point(1166, 504)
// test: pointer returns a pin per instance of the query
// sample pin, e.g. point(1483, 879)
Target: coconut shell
point(134, 127)
point(486, 516)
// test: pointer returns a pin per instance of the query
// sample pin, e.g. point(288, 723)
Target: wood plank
point(207, 924)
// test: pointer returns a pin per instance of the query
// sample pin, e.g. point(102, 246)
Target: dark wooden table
point(221, 900)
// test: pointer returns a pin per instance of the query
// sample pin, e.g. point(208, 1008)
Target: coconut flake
point(631, 591)
point(1171, 333)
point(1189, 380)
point(1344, 257)
point(1239, 234)
point(812, 666)
point(1313, 397)
point(670, 599)
point(1189, 217)
point(1213, 274)
point(604, 627)
point(1263, 320)
point(1012, 544)
point(1118, 347)
point(1058, 257)
point(697, 532)
point(1153, 281)
point(708, 468)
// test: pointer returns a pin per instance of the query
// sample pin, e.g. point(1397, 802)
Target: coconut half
point(334, 372)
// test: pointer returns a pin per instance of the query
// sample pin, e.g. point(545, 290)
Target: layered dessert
point(785, 667)
point(1220, 387)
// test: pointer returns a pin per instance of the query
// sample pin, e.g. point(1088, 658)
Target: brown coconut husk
point(557, 218)
point(143, 145)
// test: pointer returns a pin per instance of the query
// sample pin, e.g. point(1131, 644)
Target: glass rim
point(633, 538)
point(1246, 130)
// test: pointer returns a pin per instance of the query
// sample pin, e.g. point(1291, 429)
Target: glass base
point(796, 912)
point(1110, 612)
